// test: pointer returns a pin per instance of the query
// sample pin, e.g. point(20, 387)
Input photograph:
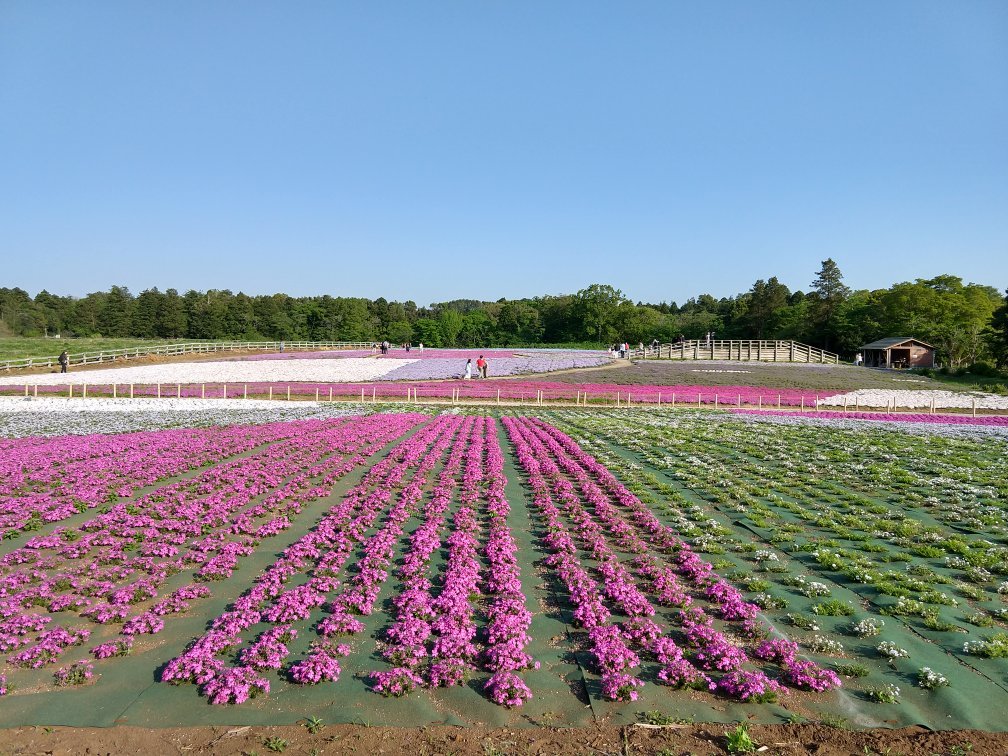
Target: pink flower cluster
point(111, 568)
point(554, 461)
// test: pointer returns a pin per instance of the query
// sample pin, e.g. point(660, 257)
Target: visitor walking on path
point(468, 370)
point(64, 361)
point(421, 348)
point(485, 368)
point(479, 366)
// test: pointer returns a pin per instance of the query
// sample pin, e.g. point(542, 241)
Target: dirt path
point(641, 739)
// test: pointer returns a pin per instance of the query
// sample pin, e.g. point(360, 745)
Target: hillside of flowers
point(470, 566)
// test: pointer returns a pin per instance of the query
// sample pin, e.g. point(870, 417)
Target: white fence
point(197, 347)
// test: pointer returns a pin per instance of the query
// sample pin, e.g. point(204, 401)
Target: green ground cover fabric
point(565, 691)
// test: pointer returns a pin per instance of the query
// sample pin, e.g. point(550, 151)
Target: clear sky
point(438, 150)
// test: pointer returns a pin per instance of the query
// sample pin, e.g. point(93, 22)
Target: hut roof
point(894, 341)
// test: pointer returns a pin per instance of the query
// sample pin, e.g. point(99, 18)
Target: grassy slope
point(18, 348)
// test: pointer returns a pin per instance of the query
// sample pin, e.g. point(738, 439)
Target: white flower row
point(349, 369)
point(910, 399)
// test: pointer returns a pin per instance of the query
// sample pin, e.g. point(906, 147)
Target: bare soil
point(639, 739)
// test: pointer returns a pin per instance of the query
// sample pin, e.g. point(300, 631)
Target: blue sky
point(440, 150)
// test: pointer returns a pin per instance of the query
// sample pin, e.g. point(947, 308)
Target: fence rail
point(738, 350)
point(197, 347)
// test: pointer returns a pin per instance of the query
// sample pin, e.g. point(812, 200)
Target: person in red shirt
point(481, 367)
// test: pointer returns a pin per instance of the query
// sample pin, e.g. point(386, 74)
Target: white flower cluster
point(812, 588)
point(347, 369)
point(891, 651)
point(766, 555)
point(908, 399)
point(928, 679)
point(821, 644)
point(869, 627)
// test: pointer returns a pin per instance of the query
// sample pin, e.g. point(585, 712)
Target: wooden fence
point(197, 347)
point(744, 350)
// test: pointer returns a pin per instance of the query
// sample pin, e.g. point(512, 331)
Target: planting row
point(886, 550)
point(139, 562)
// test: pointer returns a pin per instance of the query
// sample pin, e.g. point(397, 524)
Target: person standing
point(421, 348)
point(485, 368)
point(479, 367)
point(64, 361)
point(468, 370)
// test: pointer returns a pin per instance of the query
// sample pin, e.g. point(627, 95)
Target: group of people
point(481, 368)
point(385, 347)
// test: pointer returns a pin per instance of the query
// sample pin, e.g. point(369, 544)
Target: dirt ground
point(670, 740)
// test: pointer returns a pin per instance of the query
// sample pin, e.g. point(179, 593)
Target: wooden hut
point(898, 352)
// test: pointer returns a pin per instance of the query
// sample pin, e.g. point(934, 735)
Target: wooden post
point(131, 391)
point(673, 398)
point(84, 396)
point(271, 392)
point(857, 402)
point(159, 391)
point(26, 390)
point(817, 402)
point(932, 405)
point(113, 391)
point(288, 392)
point(178, 390)
point(803, 402)
point(715, 400)
point(659, 398)
point(498, 396)
point(974, 401)
point(740, 397)
point(36, 390)
point(316, 393)
point(374, 394)
point(330, 393)
point(362, 393)
point(698, 400)
point(224, 391)
point(202, 391)
point(70, 391)
point(778, 401)
point(245, 392)
point(617, 398)
point(759, 401)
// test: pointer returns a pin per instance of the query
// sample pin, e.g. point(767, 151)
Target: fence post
point(70, 391)
point(715, 400)
point(202, 391)
point(974, 407)
point(159, 391)
point(759, 401)
point(374, 393)
point(659, 398)
point(36, 390)
point(498, 396)
point(26, 389)
point(288, 392)
point(817, 402)
point(330, 393)
point(113, 391)
point(84, 396)
point(778, 401)
point(673, 398)
point(131, 391)
point(224, 391)
point(271, 392)
point(803, 402)
point(316, 393)
point(245, 392)
point(362, 393)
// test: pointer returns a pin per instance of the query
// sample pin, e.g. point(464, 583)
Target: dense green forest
point(967, 322)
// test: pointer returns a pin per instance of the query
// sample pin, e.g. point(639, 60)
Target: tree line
point(967, 322)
